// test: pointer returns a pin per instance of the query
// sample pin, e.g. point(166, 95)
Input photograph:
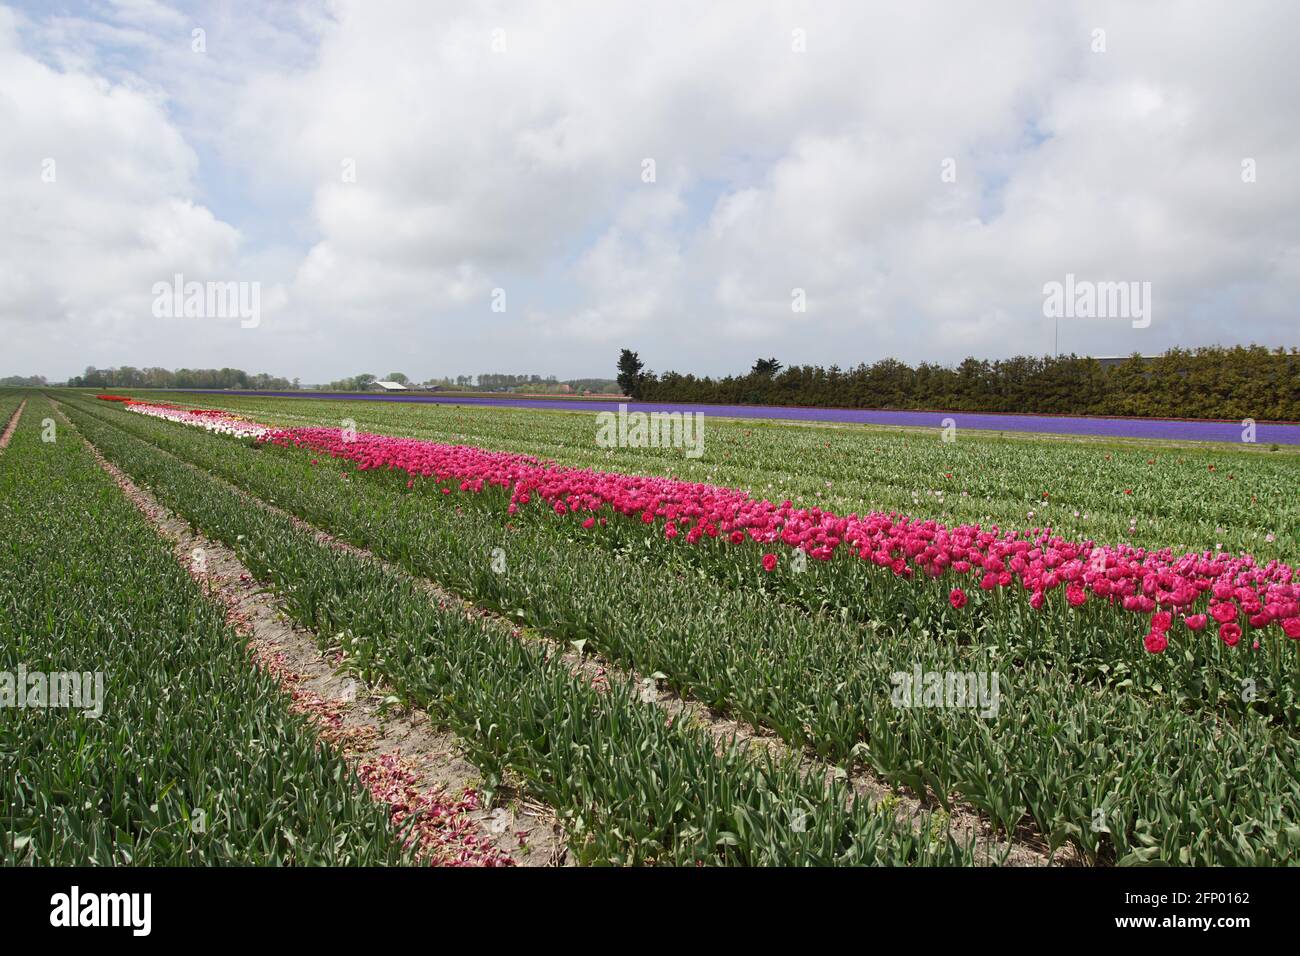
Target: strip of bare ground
point(13, 424)
point(405, 761)
point(1026, 848)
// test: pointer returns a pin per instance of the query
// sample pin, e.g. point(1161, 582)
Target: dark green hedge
point(1235, 383)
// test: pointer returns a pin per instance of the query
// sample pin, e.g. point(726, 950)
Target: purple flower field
point(1153, 428)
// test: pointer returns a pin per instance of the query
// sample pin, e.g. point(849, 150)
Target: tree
point(629, 373)
point(358, 383)
point(397, 377)
point(767, 368)
point(130, 377)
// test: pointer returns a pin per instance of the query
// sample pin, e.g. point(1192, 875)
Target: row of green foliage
point(9, 402)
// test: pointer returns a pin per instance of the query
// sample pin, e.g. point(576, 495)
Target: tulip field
point(1129, 611)
point(88, 587)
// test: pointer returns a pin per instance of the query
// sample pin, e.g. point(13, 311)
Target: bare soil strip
point(400, 755)
point(13, 424)
point(1028, 848)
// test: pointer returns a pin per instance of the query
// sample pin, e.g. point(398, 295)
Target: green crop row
point(633, 787)
point(1100, 765)
point(9, 402)
point(193, 757)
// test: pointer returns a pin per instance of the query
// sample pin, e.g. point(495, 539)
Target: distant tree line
point(357, 383)
point(1212, 382)
point(498, 382)
point(597, 385)
point(484, 382)
point(494, 380)
point(491, 381)
point(24, 381)
point(130, 377)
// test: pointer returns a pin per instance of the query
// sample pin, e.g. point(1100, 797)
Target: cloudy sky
point(444, 188)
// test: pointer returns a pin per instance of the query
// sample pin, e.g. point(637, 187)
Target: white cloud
point(522, 169)
point(95, 187)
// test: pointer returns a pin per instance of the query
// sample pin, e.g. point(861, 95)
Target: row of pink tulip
point(1234, 591)
point(1162, 585)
